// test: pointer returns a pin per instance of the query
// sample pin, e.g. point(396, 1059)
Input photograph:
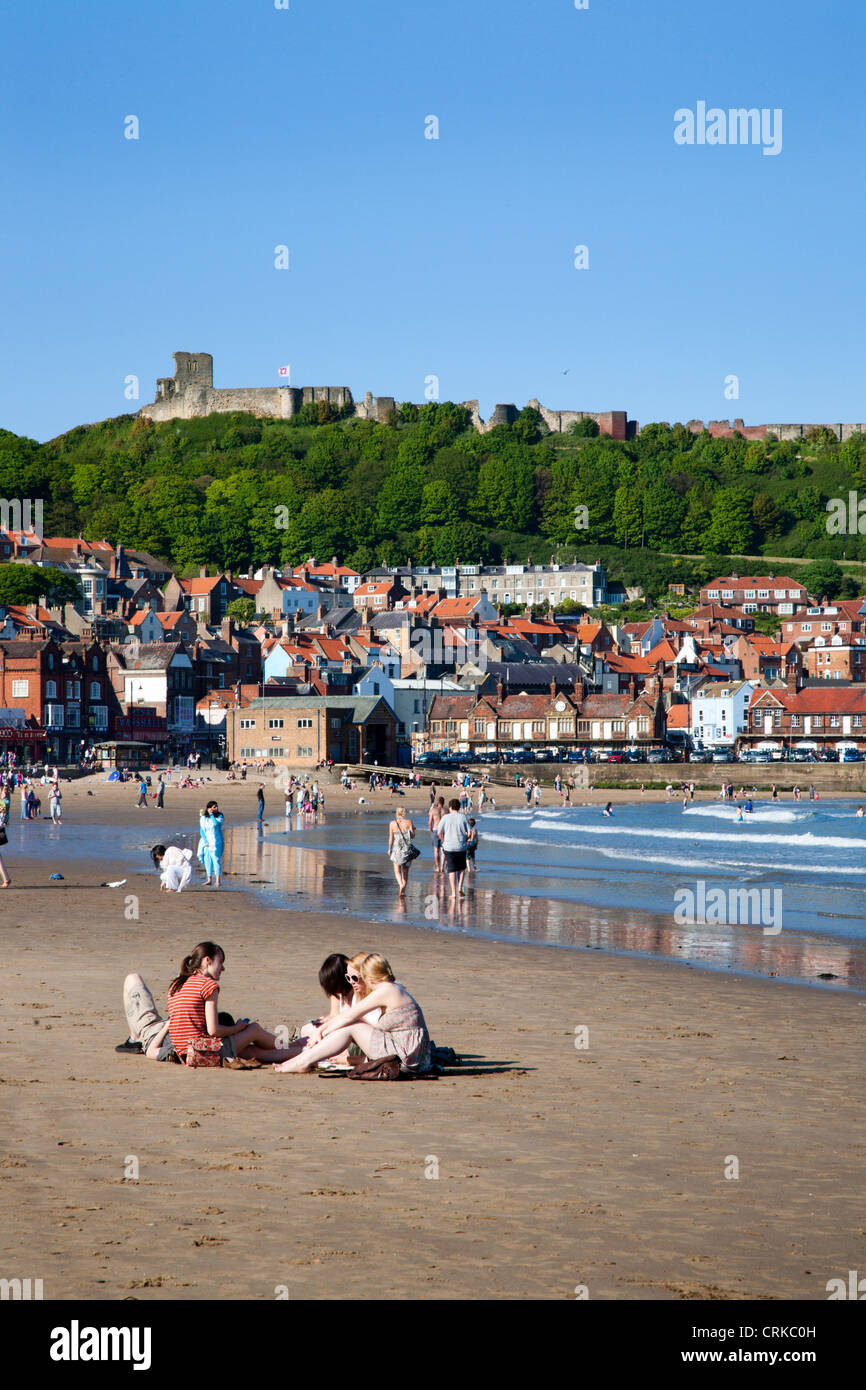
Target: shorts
point(455, 860)
point(434, 836)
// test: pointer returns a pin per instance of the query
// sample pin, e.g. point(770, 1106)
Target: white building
point(718, 712)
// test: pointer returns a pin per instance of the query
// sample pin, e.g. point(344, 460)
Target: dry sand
point(557, 1166)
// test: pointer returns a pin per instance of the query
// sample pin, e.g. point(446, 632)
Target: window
point(53, 717)
point(95, 690)
point(505, 728)
point(750, 593)
point(479, 726)
point(583, 726)
point(95, 661)
point(763, 593)
point(805, 627)
point(619, 726)
point(275, 723)
point(834, 721)
point(20, 688)
point(305, 752)
point(858, 720)
point(98, 717)
point(795, 721)
point(539, 728)
point(50, 690)
point(248, 723)
point(335, 723)
point(305, 723)
point(73, 717)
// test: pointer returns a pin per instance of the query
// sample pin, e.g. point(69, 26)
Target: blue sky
point(412, 257)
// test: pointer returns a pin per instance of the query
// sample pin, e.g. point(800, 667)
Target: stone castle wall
point(191, 393)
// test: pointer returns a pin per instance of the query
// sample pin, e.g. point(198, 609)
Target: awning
point(768, 746)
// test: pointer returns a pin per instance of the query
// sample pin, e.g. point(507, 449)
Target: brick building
point(305, 730)
point(765, 593)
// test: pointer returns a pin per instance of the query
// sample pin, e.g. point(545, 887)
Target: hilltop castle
point(191, 393)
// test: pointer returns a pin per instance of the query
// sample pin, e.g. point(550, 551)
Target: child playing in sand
point(400, 1031)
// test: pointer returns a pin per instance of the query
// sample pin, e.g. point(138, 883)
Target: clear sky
point(453, 257)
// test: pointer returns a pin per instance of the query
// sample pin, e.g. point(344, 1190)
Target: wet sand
point(557, 1165)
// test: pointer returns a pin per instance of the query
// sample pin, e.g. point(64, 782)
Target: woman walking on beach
point(401, 1030)
point(54, 805)
point(401, 833)
point(4, 814)
point(193, 1014)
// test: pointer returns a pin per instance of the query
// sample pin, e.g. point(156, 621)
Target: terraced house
point(818, 716)
point(503, 723)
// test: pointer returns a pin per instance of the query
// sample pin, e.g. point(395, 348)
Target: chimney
point(229, 576)
point(202, 572)
point(227, 630)
point(792, 679)
point(553, 690)
point(499, 691)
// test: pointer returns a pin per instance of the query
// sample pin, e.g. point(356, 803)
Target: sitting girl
point(192, 1013)
point(400, 1031)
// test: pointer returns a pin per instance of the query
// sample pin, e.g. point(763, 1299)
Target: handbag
point(204, 1052)
point(411, 852)
point(379, 1069)
point(4, 838)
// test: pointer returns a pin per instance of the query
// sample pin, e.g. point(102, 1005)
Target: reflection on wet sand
point(334, 880)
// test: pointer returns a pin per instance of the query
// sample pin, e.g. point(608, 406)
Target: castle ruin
point(191, 393)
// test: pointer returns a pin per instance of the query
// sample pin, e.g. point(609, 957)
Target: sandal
point(240, 1064)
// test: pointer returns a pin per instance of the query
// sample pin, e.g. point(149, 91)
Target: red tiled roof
point(751, 581)
point(199, 586)
point(663, 651)
point(679, 717)
point(823, 699)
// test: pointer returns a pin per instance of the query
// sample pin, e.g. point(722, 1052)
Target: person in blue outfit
point(211, 847)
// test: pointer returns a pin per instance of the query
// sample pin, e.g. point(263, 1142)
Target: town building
point(305, 731)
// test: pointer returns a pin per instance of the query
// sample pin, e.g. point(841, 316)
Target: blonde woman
point(401, 833)
point(400, 1031)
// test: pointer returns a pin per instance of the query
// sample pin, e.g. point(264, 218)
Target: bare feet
point(294, 1067)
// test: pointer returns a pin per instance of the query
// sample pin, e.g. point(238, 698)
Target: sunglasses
point(353, 979)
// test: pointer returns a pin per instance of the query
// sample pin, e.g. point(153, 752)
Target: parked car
point(701, 755)
point(657, 755)
point(722, 755)
point(635, 755)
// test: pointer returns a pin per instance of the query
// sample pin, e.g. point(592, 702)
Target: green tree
point(243, 610)
point(627, 516)
point(505, 489)
point(23, 584)
point(587, 428)
point(730, 527)
point(822, 577)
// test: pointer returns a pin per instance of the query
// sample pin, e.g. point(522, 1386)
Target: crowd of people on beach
point(370, 1016)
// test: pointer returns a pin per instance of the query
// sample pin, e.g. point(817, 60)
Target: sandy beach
point(558, 1164)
